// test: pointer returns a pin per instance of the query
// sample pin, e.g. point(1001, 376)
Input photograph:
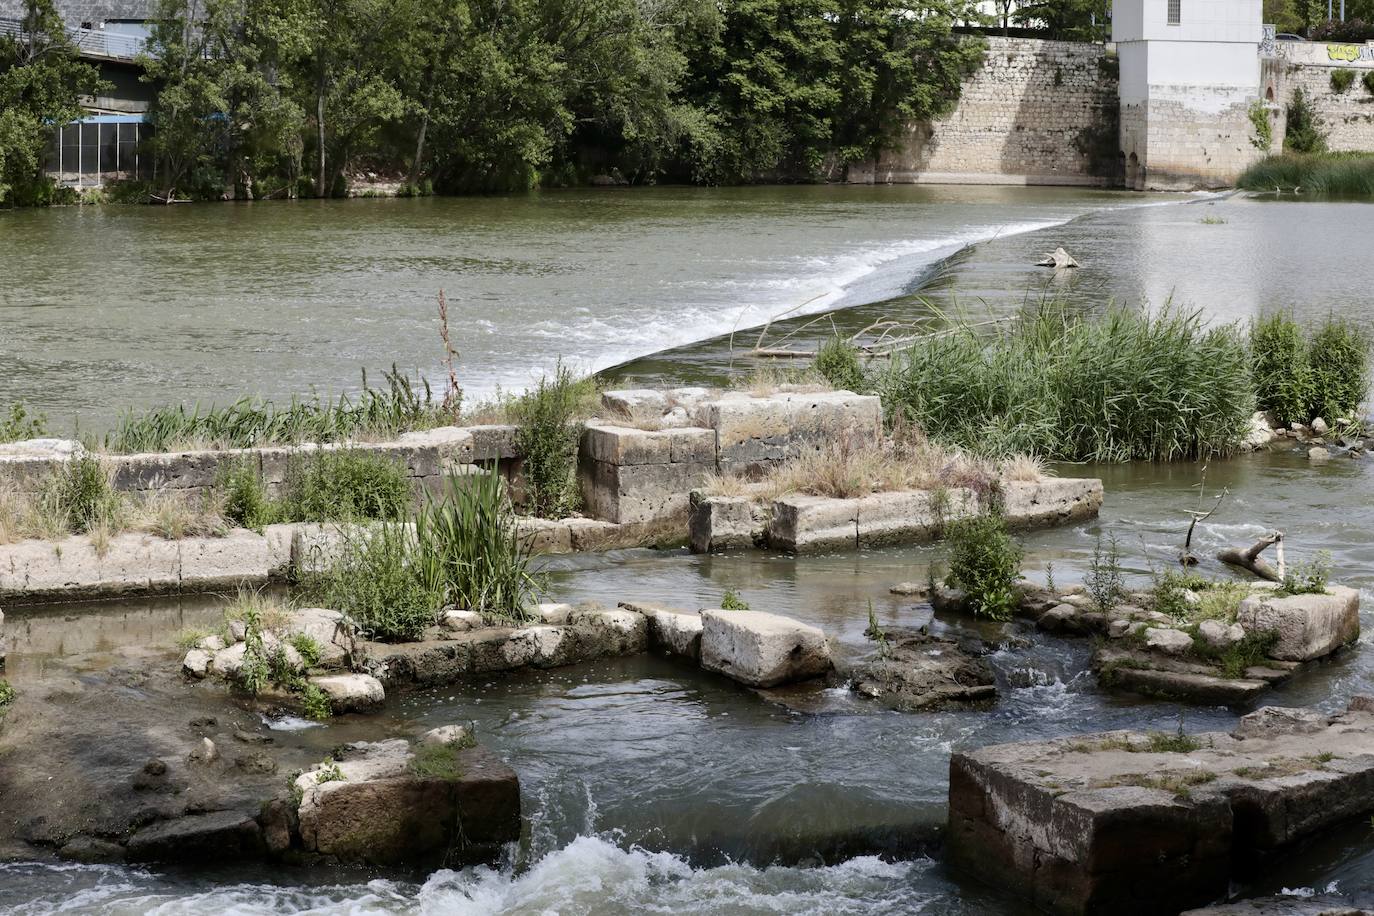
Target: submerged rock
point(914, 670)
point(1287, 905)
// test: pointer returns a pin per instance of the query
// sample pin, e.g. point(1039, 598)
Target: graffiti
point(1349, 53)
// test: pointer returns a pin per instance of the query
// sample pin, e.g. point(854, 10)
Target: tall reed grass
point(1118, 386)
point(1341, 175)
point(399, 405)
point(1306, 372)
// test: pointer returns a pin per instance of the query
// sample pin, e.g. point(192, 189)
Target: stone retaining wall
point(799, 523)
point(1036, 112)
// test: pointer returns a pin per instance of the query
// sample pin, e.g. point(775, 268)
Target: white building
point(1190, 73)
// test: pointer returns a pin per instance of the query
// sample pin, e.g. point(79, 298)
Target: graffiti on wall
point(1350, 53)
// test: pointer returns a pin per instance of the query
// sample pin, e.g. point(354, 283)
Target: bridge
point(95, 44)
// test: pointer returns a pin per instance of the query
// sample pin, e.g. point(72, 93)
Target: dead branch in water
point(1249, 558)
point(453, 394)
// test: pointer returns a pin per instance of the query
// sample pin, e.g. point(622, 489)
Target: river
point(649, 787)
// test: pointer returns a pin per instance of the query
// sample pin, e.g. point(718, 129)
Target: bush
point(470, 552)
point(1283, 379)
point(346, 485)
point(1352, 31)
point(1339, 359)
point(82, 495)
point(838, 361)
point(1105, 583)
point(548, 438)
point(1116, 387)
point(1305, 133)
point(1307, 578)
point(1342, 78)
point(377, 582)
point(7, 696)
point(731, 601)
point(985, 562)
point(20, 424)
point(245, 501)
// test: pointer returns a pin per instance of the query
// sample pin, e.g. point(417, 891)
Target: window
point(1175, 11)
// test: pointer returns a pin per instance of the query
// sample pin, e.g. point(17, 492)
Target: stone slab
point(1308, 626)
point(761, 649)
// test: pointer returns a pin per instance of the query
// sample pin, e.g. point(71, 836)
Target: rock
point(540, 647)
point(1059, 618)
point(445, 734)
point(374, 807)
point(1281, 720)
point(1168, 640)
point(91, 850)
point(1261, 432)
point(196, 663)
point(617, 631)
point(256, 762)
point(1118, 629)
point(328, 629)
point(237, 630)
point(351, 692)
point(761, 649)
point(1317, 454)
point(1286, 905)
point(724, 522)
point(1059, 259)
point(204, 753)
point(217, 837)
point(553, 614)
point(1319, 427)
point(276, 820)
point(915, 671)
point(1308, 626)
point(211, 644)
point(462, 621)
point(912, 589)
point(948, 600)
point(675, 632)
point(1220, 636)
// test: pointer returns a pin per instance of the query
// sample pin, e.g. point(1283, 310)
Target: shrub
point(82, 495)
point(346, 485)
point(1105, 583)
point(1305, 133)
point(985, 562)
point(1342, 78)
point(548, 438)
point(308, 648)
point(1339, 359)
point(20, 424)
point(731, 601)
point(1368, 81)
point(1353, 31)
point(1116, 387)
point(377, 582)
point(1167, 593)
point(1263, 138)
point(838, 361)
point(1283, 380)
point(244, 497)
point(470, 552)
point(315, 703)
point(255, 671)
point(7, 696)
point(1253, 649)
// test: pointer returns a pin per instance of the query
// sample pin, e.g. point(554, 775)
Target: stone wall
point(1036, 112)
point(1348, 116)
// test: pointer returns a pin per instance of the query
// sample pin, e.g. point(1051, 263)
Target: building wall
point(1036, 112)
point(1348, 115)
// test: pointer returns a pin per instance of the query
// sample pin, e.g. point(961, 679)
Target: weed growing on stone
point(315, 703)
point(308, 648)
point(985, 562)
point(18, 424)
point(1342, 78)
point(1253, 649)
point(440, 761)
point(731, 601)
point(1220, 601)
point(377, 583)
point(330, 772)
point(188, 638)
point(1104, 581)
point(82, 494)
point(838, 361)
point(7, 696)
point(244, 497)
point(1049, 576)
point(1308, 578)
point(345, 485)
point(548, 437)
point(255, 671)
point(1169, 593)
point(1212, 221)
point(1177, 743)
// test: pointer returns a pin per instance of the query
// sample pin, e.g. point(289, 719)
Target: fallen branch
point(1186, 557)
point(1249, 559)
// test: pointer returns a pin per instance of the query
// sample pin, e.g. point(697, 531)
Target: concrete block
point(628, 494)
point(761, 649)
point(543, 535)
point(725, 522)
point(130, 564)
point(912, 516)
point(1309, 626)
point(239, 558)
point(1050, 501)
point(808, 524)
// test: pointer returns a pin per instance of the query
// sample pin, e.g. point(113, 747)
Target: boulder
point(204, 753)
point(382, 805)
point(1261, 432)
point(216, 837)
point(328, 629)
point(1308, 626)
point(445, 734)
point(553, 614)
point(196, 663)
point(761, 649)
point(1320, 427)
point(1318, 454)
point(915, 671)
point(1058, 618)
point(1286, 905)
point(615, 631)
point(1168, 640)
point(1219, 635)
point(462, 621)
point(351, 692)
point(227, 662)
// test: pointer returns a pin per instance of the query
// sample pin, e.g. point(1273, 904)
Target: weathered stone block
point(753, 432)
point(351, 692)
point(761, 649)
point(911, 516)
point(194, 470)
point(1308, 626)
point(808, 524)
point(630, 494)
point(239, 558)
point(725, 522)
point(545, 535)
point(130, 564)
point(675, 632)
point(1050, 501)
point(622, 445)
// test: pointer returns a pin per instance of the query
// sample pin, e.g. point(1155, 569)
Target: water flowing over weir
point(651, 787)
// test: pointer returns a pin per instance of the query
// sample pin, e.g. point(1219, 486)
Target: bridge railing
point(90, 42)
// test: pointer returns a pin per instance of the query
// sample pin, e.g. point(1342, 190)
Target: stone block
point(544, 535)
point(760, 649)
point(1308, 626)
point(26, 465)
point(589, 534)
point(675, 632)
point(239, 558)
point(351, 692)
point(615, 631)
point(622, 445)
point(725, 522)
point(279, 540)
point(754, 432)
point(327, 628)
point(1050, 501)
point(129, 564)
point(630, 494)
point(215, 837)
point(494, 442)
point(194, 470)
point(912, 516)
point(809, 524)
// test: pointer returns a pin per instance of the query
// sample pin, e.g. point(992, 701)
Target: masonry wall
point(1036, 112)
point(1348, 116)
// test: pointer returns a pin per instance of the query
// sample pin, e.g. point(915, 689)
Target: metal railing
point(90, 42)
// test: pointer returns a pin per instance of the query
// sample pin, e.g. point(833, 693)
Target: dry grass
point(773, 377)
point(35, 515)
point(906, 461)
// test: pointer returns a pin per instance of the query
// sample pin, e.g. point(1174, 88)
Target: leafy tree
point(1068, 20)
point(41, 81)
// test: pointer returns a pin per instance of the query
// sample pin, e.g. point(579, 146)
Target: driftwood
point(1186, 557)
point(1249, 558)
point(1058, 259)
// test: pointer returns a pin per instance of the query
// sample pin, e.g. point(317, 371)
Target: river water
point(649, 787)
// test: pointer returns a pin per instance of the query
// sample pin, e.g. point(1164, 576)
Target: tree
point(41, 82)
